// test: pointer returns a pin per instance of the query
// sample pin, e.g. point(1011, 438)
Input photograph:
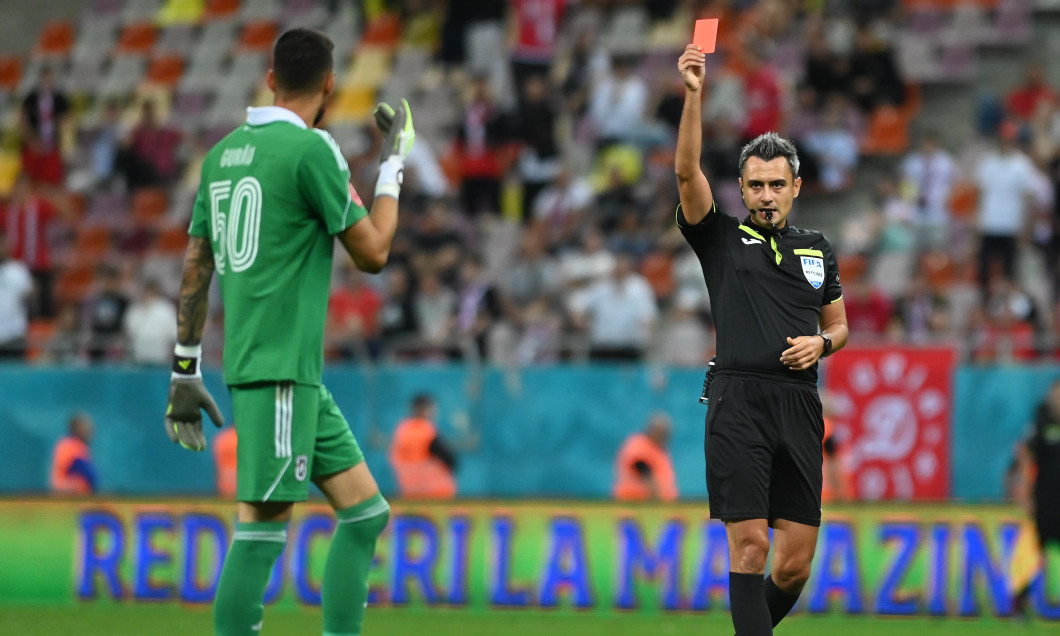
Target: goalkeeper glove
point(187, 395)
point(398, 137)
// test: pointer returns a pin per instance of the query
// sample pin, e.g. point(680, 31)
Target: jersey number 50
point(235, 231)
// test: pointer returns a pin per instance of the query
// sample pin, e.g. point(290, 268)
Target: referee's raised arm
point(696, 197)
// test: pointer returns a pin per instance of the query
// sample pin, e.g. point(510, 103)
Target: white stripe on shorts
point(275, 483)
point(277, 423)
point(283, 417)
point(290, 416)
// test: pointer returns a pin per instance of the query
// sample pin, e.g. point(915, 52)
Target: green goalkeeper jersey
point(273, 194)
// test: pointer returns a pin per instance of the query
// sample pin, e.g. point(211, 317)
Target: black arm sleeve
point(443, 452)
point(833, 291)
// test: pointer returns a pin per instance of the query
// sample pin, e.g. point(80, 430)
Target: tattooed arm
point(194, 291)
point(187, 393)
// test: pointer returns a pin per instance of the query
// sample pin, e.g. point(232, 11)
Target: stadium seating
point(136, 39)
point(10, 73)
point(149, 205)
point(165, 70)
point(74, 283)
point(56, 39)
point(204, 61)
point(218, 9)
point(92, 244)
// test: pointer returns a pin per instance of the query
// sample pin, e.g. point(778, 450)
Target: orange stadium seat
point(450, 164)
point(216, 9)
point(172, 240)
point(10, 72)
point(258, 35)
point(383, 30)
point(888, 132)
point(56, 38)
point(853, 266)
point(939, 268)
point(92, 244)
point(149, 204)
point(963, 199)
point(165, 70)
point(77, 201)
point(74, 283)
point(137, 38)
point(37, 335)
point(657, 269)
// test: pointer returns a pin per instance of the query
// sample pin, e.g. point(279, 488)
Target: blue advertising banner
point(538, 431)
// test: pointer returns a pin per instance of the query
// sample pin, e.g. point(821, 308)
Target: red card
point(706, 34)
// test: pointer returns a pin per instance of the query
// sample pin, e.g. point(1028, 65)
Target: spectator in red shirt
point(1023, 100)
point(534, 28)
point(28, 219)
point(43, 111)
point(762, 96)
point(353, 316)
point(149, 155)
point(479, 149)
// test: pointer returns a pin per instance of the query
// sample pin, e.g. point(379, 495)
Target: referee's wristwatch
point(827, 345)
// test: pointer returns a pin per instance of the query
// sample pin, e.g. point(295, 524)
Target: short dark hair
point(767, 147)
point(301, 60)
point(76, 418)
point(421, 401)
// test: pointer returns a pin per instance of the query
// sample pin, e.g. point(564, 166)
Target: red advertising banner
point(890, 410)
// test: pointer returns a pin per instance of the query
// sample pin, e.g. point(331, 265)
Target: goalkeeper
point(273, 194)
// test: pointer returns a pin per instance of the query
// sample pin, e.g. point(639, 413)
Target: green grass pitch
point(174, 620)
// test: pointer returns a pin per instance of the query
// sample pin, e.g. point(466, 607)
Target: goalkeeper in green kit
point(274, 194)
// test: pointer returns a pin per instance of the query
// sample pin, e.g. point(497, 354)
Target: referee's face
point(768, 190)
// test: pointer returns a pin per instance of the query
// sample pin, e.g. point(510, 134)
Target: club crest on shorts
point(301, 467)
point(813, 270)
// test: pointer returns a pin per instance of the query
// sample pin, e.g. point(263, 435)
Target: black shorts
point(763, 449)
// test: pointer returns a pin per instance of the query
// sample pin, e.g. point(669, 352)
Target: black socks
point(779, 601)
point(747, 604)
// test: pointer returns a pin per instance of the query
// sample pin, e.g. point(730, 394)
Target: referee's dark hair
point(769, 146)
point(301, 60)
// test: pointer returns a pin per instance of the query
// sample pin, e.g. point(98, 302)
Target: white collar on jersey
point(259, 116)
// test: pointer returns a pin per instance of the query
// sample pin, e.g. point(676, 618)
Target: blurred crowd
point(537, 213)
point(962, 243)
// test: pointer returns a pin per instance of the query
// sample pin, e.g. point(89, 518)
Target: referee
point(778, 308)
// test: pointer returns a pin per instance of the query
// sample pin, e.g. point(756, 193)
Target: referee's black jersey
point(764, 286)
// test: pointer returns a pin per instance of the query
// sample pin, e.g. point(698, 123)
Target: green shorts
point(289, 434)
